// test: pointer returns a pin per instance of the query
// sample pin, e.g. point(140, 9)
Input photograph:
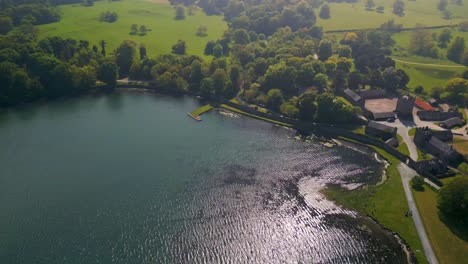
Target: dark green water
point(129, 178)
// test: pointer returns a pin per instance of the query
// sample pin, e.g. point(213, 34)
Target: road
point(430, 64)
point(406, 174)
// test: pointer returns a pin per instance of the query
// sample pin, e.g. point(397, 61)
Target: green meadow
point(355, 15)
point(424, 71)
point(80, 22)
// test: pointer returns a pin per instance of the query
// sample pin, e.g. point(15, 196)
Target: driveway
point(406, 174)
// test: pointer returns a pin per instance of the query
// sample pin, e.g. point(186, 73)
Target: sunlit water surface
point(130, 178)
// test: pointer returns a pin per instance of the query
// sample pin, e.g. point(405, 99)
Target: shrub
point(417, 183)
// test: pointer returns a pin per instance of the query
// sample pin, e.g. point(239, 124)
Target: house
point(353, 97)
point(452, 122)
point(379, 130)
point(433, 102)
point(382, 116)
point(437, 116)
point(425, 139)
point(372, 94)
point(405, 106)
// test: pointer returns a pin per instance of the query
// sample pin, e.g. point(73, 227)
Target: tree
point(442, 5)
point(6, 24)
point(417, 183)
point(289, 109)
point(218, 51)
point(202, 31)
point(345, 51)
point(456, 91)
point(124, 56)
point(143, 30)
point(344, 64)
point(324, 12)
point(453, 200)
point(241, 36)
point(444, 38)
point(196, 75)
point(219, 81)
point(456, 49)
point(422, 44)
point(463, 26)
point(307, 107)
point(370, 4)
point(321, 81)
point(355, 79)
point(143, 53)
point(465, 59)
point(134, 29)
point(179, 12)
point(380, 9)
point(103, 44)
point(399, 8)
point(275, 99)
point(207, 87)
point(179, 47)
point(325, 50)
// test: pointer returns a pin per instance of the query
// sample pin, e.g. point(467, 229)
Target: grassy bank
point(202, 110)
point(448, 247)
point(80, 22)
point(386, 203)
point(227, 107)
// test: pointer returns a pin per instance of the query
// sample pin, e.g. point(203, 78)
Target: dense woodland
point(278, 58)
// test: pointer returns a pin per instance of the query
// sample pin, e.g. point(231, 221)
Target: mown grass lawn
point(386, 203)
point(448, 247)
point(83, 23)
point(355, 16)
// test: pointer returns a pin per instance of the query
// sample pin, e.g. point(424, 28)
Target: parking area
point(381, 105)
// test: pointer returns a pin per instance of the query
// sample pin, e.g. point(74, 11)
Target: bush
point(417, 183)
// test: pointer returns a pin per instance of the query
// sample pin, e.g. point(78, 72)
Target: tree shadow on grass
point(459, 229)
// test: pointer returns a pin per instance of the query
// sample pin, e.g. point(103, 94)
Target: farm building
point(452, 122)
point(372, 94)
point(433, 102)
point(420, 104)
point(382, 116)
point(353, 97)
point(425, 139)
point(379, 130)
point(437, 116)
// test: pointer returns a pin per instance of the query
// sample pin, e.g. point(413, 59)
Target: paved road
point(406, 174)
point(430, 64)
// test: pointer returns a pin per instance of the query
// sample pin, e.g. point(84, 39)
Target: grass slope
point(83, 23)
point(448, 247)
point(386, 203)
point(354, 15)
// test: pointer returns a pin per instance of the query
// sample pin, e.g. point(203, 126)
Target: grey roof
point(381, 127)
point(451, 122)
point(351, 94)
point(437, 116)
point(370, 94)
point(439, 145)
point(383, 115)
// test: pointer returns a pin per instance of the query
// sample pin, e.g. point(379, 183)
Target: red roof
point(423, 105)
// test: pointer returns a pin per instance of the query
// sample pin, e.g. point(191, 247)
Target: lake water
point(130, 178)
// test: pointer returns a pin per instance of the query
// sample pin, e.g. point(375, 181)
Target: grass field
point(83, 23)
point(386, 203)
point(354, 16)
point(428, 76)
point(448, 247)
point(461, 145)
